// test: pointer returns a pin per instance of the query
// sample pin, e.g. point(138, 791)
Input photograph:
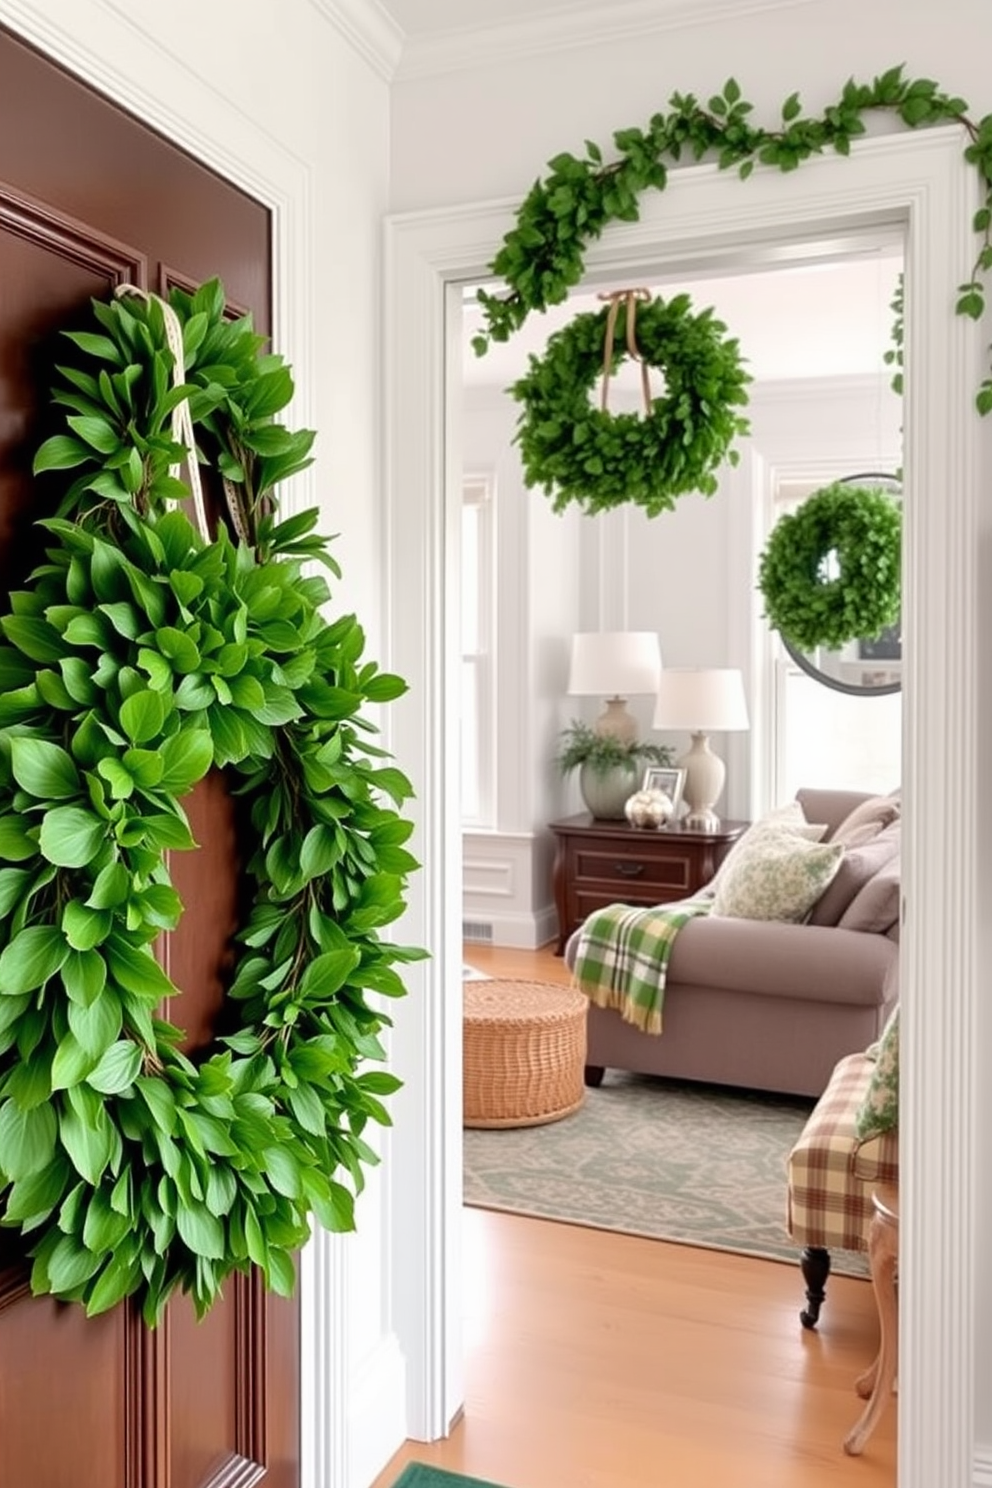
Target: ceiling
point(827, 318)
point(419, 18)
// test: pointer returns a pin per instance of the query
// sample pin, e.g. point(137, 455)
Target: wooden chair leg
point(877, 1382)
point(815, 1264)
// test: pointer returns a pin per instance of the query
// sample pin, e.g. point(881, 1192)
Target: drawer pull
point(629, 870)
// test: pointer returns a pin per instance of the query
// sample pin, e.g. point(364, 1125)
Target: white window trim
point(479, 489)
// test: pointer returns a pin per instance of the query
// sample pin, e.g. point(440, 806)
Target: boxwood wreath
point(830, 571)
point(541, 259)
point(140, 654)
point(597, 459)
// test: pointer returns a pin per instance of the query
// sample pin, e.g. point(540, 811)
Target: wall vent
point(478, 932)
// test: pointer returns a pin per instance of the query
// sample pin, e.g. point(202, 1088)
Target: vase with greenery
point(609, 769)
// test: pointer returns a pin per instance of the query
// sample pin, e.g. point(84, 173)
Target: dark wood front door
point(91, 198)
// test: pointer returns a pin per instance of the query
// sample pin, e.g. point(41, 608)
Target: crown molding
point(481, 46)
point(369, 28)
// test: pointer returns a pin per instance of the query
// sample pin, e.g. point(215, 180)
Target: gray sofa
point(770, 1005)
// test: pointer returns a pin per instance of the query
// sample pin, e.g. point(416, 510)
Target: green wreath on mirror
point(599, 460)
point(831, 570)
point(141, 653)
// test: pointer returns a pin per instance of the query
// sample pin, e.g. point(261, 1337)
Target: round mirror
point(871, 666)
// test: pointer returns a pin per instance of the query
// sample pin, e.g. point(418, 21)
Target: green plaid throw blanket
point(622, 957)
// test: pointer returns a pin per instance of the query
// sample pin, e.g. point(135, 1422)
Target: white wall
point(484, 133)
point(273, 97)
point(486, 130)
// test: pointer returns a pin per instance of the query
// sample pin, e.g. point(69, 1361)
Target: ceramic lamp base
point(705, 774)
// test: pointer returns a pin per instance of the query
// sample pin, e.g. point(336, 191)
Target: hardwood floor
point(595, 1360)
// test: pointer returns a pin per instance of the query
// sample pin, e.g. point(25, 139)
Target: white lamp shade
point(708, 701)
point(614, 663)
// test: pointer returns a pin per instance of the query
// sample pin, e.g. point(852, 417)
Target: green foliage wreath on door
point(141, 653)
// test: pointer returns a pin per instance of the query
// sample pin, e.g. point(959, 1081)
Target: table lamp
point(615, 665)
point(704, 702)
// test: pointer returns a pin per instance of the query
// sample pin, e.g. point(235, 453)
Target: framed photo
point(887, 646)
point(667, 779)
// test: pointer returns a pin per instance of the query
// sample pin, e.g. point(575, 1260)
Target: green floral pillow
point(775, 876)
point(879, 1111)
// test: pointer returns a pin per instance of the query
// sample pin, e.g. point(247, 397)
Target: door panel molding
point(77, 242)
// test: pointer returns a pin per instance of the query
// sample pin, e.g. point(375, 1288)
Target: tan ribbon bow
point(630, 298)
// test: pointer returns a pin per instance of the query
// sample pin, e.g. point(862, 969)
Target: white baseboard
point(981, 1476)
point(376, 1413)
point(521, 932)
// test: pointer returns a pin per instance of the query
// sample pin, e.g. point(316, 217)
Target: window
point(478, 661)
point(821, 736)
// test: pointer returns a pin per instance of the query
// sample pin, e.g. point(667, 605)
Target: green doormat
point(701, 1165)
point(422, 1475)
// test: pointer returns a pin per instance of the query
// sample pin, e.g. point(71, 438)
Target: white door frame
point(921, 181)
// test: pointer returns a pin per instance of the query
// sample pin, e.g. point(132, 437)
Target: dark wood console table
point(607, 862)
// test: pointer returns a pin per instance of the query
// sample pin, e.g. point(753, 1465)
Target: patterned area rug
point(697, 1164)
point(423, 1475)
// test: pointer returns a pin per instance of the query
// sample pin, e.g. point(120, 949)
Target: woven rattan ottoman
point(524, 1052)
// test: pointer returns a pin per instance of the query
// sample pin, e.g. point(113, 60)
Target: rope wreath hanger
point(831, 570)
point(599, 460)
point(137, 657)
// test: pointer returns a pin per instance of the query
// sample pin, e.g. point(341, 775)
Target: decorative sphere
point(648, 808)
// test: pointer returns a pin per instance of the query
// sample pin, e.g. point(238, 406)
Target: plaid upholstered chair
point(832, 1174)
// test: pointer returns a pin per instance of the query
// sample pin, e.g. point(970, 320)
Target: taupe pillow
point(868, 819)
point(876, 906)
point(858, 866)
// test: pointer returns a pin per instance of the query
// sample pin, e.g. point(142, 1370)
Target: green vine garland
point(599, 460)
point(139, 655)
point(542, 258)
point(863, 528)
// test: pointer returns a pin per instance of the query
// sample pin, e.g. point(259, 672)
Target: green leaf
point(32, 1199)
point(115, 1282)
point(280, 1272)
point(15, 844)
point(84, 928)
point(118, 1068)
point(202, 1232)
point(283, 1171)
point(160, 1102)
point(137, 970)
point(142, 716)
point(31, 959)
point(118, 779)
point(89, 1145)
point(84, 976)
point(96, 432)
point(186, 758)
point(178, 648)
point(70, 836)
point(306, 1106)
point(112, 886)
point(320, 852)
point(78, 680)
point(43, 769)
point(98, 1025)
point(168, 832)
point(326, 974)
point(36, 638)
point(13, 884)
point(27, 1139)
point(72, 1063)
point(61, 452)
